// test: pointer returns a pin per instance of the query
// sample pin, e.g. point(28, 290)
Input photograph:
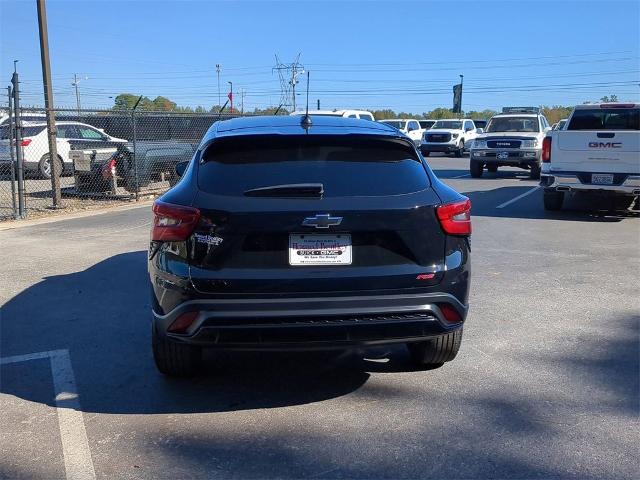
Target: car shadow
point(577, 208)
point(102, 315)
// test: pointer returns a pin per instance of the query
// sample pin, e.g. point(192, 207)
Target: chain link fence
point(105, 156)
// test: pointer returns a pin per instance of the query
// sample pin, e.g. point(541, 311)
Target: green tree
point(607, 99)
point(126, 101)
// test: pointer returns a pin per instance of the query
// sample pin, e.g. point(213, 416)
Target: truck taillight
point(109, 169)
point(25, 142)
point(173, 223)
point(546, 149)
point(455, 218)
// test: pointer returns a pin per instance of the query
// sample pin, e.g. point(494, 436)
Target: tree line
point(126, 101)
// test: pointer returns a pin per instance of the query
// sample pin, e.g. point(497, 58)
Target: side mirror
point(479, 130)
point(181, 167)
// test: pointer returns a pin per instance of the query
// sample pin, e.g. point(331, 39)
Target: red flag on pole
point(230, 97)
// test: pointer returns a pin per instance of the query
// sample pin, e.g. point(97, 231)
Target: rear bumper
point(312, 323)
point(627, 184)
point(513, 158)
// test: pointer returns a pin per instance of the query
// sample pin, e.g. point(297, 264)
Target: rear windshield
point(427, 124)
point(605, 119)
point(26, 131)
point(346, 166)
point(480, 123)
point(395, 123)
point(513, 124)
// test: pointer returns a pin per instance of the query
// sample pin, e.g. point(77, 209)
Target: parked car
point(35, 144)
point(361, 114)
point(96, 169)
point(596, 154)
point(426, 124)
point(449, 136)
point(480, 124)
point(559, 125)
point(408, 126)
point(281, 235)
point(512, 138)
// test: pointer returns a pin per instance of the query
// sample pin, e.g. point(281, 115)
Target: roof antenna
point(306, 120)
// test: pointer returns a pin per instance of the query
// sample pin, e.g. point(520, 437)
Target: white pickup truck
point(596, 153)
point(408, 126)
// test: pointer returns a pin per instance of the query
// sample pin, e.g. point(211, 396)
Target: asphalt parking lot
point(546, 384)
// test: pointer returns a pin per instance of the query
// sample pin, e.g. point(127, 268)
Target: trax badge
point(208, 239)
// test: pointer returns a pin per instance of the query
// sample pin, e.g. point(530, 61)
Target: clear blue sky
point(369, 54)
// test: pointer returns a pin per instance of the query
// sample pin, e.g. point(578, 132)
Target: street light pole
point(218, 66)
point(75, 84)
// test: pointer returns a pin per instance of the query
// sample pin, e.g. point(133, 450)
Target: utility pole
point(242, 101)
point(461, 80)
point(318, 104)
point(75, 84)
point(231, 96)
point(218, 67)
point(48, 103)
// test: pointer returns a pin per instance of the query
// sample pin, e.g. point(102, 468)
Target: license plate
point(81, 162)
point(310, 249)
point(602, 178)
point(502, 155)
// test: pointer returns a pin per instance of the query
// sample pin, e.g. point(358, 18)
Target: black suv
point(284, 235)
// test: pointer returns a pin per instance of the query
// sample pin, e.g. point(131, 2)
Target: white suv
point(361, 114)
point(408, 126)
point(449, 136)
point(35, 144)
point(596, 153)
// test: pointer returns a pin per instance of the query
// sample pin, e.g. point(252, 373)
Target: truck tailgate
point(591, 151)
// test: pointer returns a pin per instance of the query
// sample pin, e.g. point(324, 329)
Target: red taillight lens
point(450, 313)
point(455, 218)
point(25, 142)
point(546, 149)
point(109, 169)
point(173, 223)
point(183, 322)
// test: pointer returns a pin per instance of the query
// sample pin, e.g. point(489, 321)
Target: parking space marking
point(462, 176)
point(509, 202)
point(73, 435)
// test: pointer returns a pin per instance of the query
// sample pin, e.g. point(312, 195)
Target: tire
point(492, 168)
point(623, 203)
point(175, 359)
point(553, 200)
point(460, 150)
point(437, 350)
point(534, 173)
point(44, 166)
point(476, 168)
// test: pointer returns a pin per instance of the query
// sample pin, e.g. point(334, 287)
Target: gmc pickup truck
point(597, 153)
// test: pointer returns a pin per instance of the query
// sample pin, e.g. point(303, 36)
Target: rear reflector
point(546, 150)
point(450, 313)
point(173, 223)
point(455, 218)
point(183, 322)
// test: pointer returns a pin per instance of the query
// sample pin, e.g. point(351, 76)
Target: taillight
point(455, 218)
point(109, 169)
point(173, 223)
point(617, 105)
point(546, 149)
point(25, 142)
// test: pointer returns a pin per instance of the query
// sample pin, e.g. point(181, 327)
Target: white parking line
point(75, 446)
point(509, 202)
point(462, 176)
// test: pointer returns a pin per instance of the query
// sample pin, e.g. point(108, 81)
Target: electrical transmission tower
point(288, 76)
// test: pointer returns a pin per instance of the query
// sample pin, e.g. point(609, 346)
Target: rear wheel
point(493, 168)
point(460, 149)
point(44, 166)
point(175, 359)
point(534, 173)
point(476, 169)
point(437, 350)
point(553, 200)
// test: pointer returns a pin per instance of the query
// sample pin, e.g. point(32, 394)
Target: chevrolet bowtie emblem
point(322, 220)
